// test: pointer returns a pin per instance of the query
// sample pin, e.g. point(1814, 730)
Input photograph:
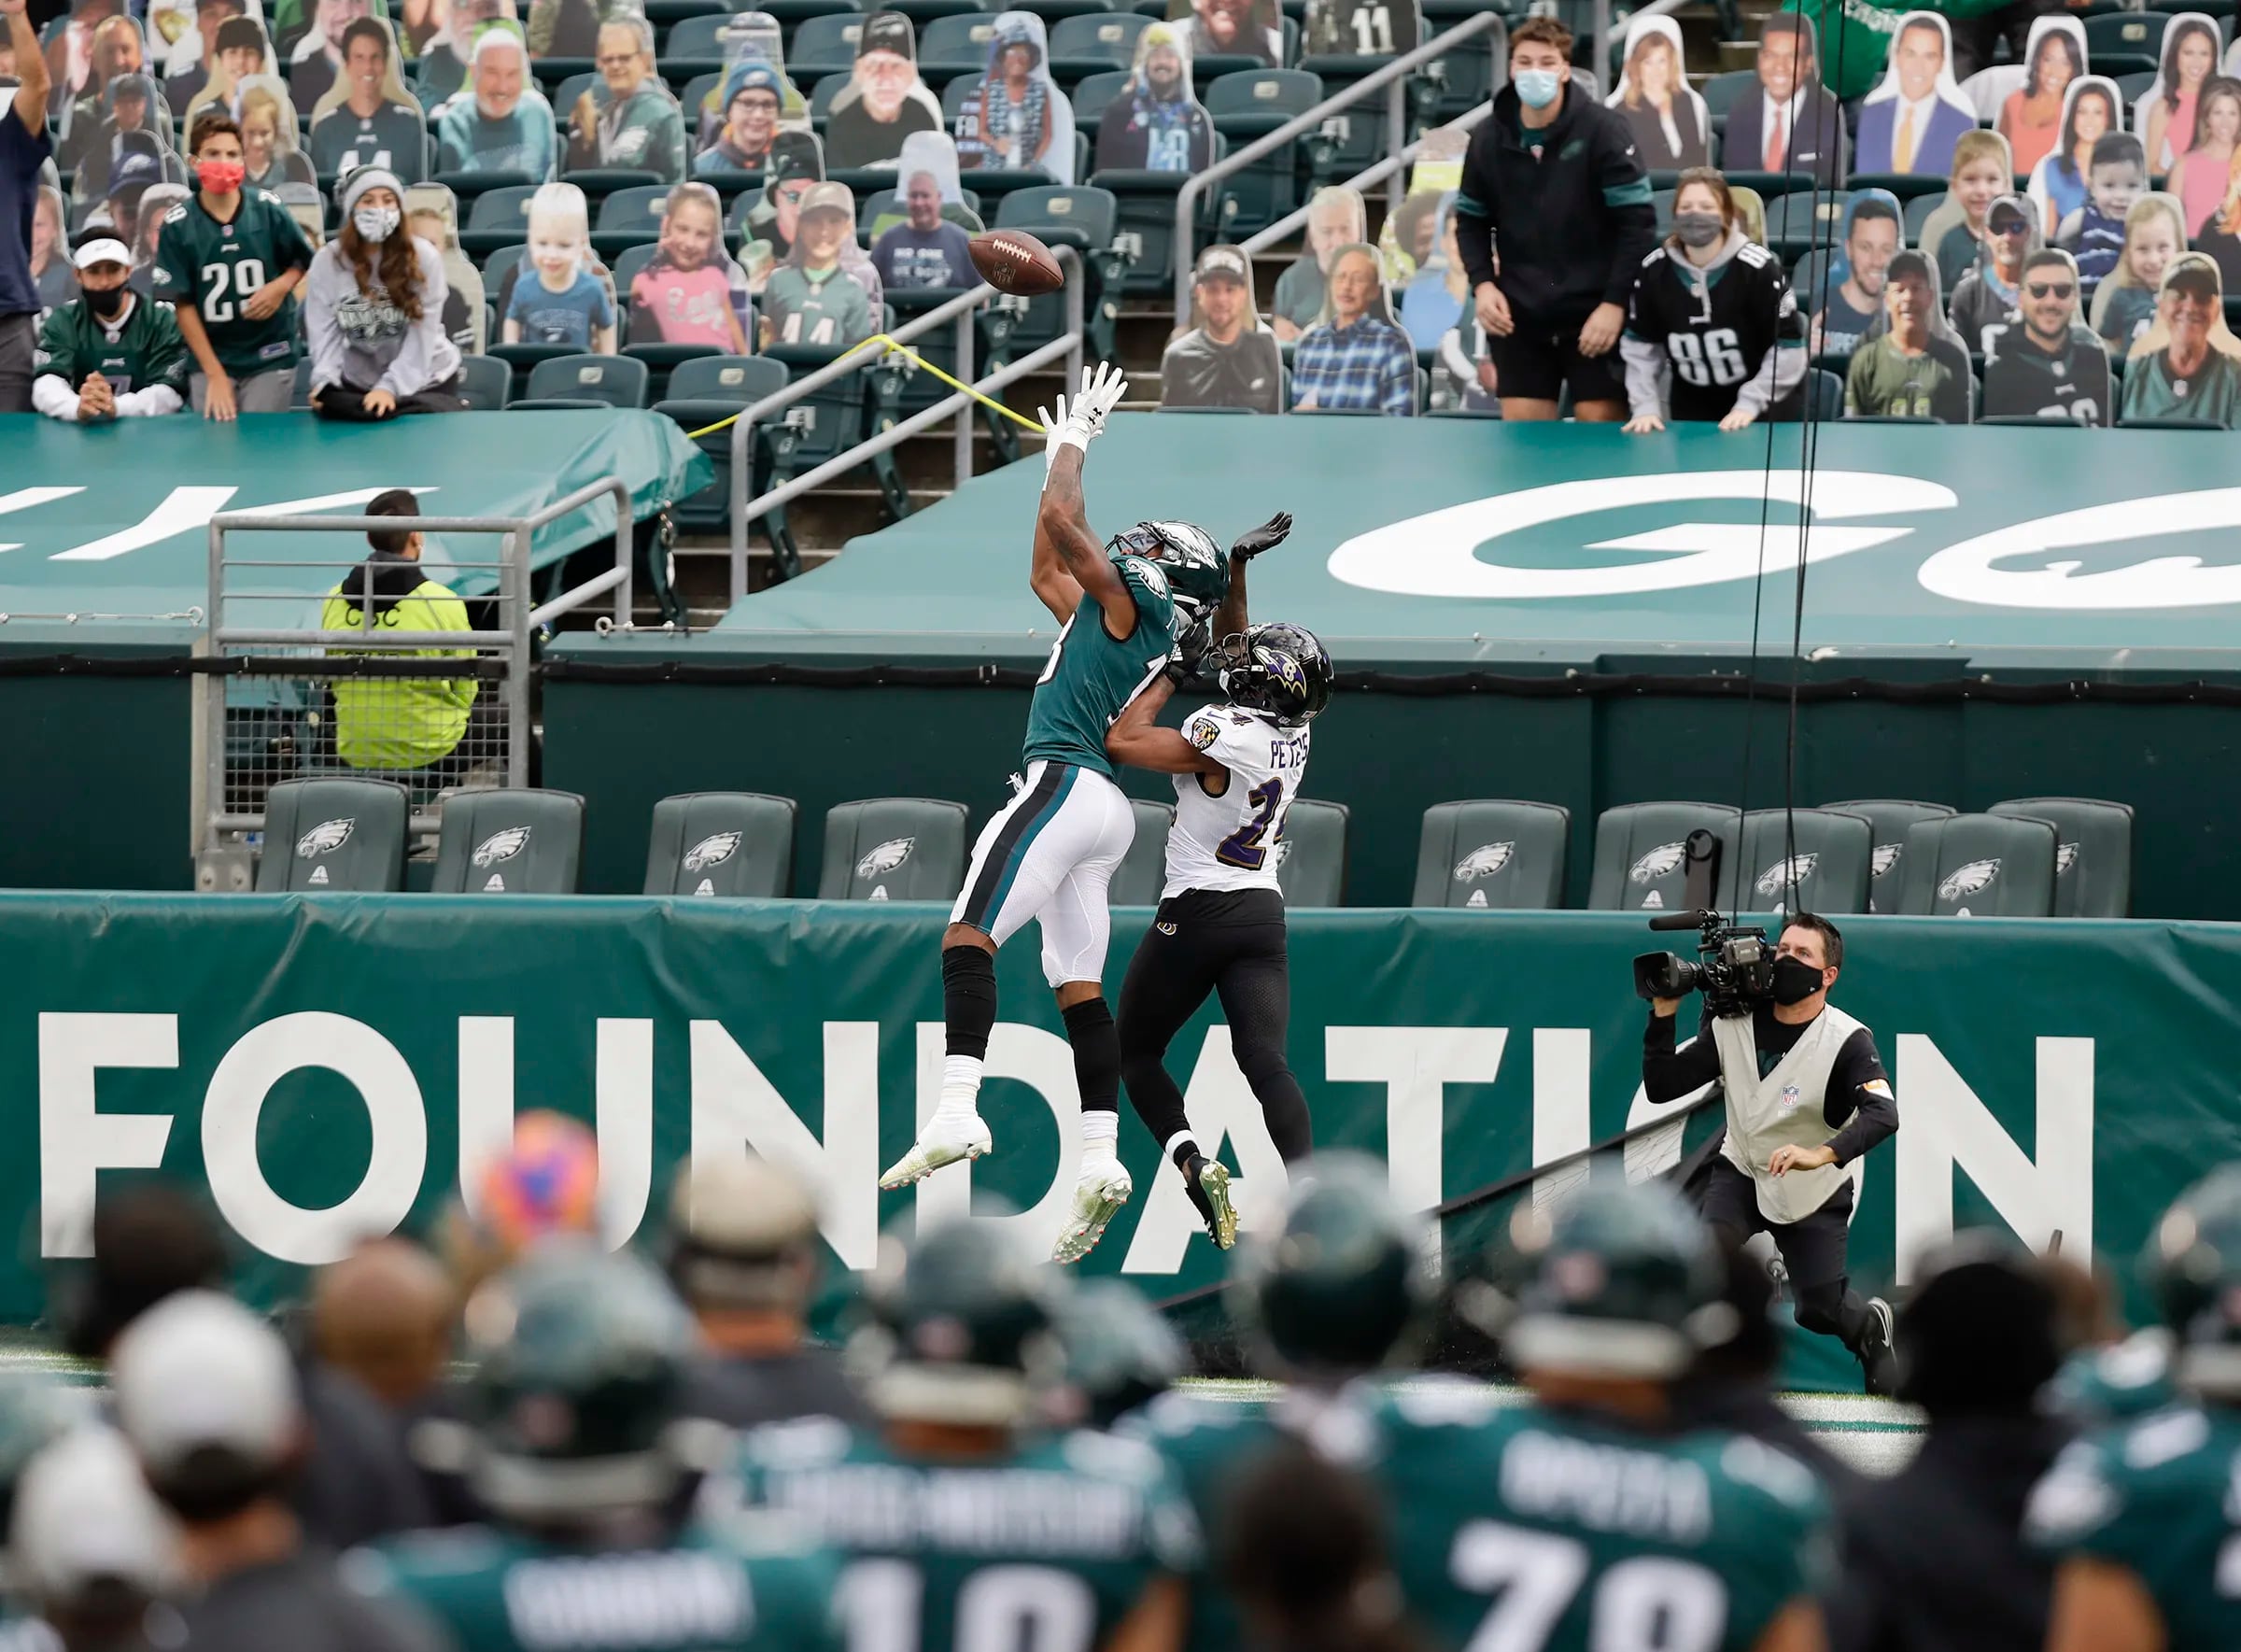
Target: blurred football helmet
point(1343, 1281)
point(2193, 1262)
point(963, 1327)
point(1120, 1351)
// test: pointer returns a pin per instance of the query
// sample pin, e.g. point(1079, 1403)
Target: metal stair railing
point(1263, 240)
point(1391, 80)
point(959, 311)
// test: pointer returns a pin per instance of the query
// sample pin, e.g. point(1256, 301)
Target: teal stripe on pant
point(1018, 857)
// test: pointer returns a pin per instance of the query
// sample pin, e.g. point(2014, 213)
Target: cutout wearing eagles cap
point(1805, 1094)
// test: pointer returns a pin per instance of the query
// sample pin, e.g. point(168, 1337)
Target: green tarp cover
point(109, 522)
point(1463, 541)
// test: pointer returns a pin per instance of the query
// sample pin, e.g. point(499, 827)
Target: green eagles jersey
point(145, 351)
point(744, 1588)
point(1048, 1546)
point(1208, 1445)
point(2155, 1496)
point(1089, 678)
point(218, 268)
point(816, 307)
point(1541, 1530)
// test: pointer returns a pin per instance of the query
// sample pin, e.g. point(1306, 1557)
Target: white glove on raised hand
point(1082, 421)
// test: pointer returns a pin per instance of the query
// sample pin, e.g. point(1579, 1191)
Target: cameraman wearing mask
point(1806, 1095)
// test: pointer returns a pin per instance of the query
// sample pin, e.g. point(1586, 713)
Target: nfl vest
point(1781, 1110)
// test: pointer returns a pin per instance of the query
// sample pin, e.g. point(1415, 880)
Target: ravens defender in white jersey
point(1049, 855)
point(1220, 922)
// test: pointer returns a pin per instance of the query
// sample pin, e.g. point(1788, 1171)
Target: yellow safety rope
point(882, 338)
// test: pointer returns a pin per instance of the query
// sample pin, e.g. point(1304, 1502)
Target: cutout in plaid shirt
point(1368, 363)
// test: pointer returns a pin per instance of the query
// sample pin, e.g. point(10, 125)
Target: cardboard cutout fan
point(1156, 122)
point(1017, 119)
point(884, 102)
point(1791, 122)
point(2029, 117)
point(1911, 123)
point(1670, 125)
point(2164, 119)
point(1231, 28)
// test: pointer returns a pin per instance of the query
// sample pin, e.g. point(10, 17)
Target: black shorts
point(1540, 358)
point(1814, 1247)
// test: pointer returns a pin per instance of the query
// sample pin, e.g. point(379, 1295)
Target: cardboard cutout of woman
point(1336, 217)
point(884, 102)
point(1157, 123)
point(1017, 119)
point(1911, 121)
point(1360, 28)
point(2165, 115)
point(271, 144)
point(1231, 28)
point(2031, 118)
point(2091, 108)
point(2043, 361)
point(2220, 237)
point(1355, 357)
point(809, 298)
point(2202, 174)
point(1671, 126)
point(690, 292)
point(1226, 358)
point(1982, 174)
point(2188, 363)
point(2155, 233)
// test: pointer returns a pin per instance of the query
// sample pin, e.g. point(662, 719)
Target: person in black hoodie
point(1557, 178)
point(1933, 1557)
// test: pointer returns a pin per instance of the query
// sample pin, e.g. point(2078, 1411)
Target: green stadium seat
point(1639, 860)
point(1093, 93)
point(1797, 224)
point(500, 218)
point(1143, 872)
point(1248, 107)
point(823, 46)
point(2092, 858)
point(1311, 864)
point(1984, 866)
point(1492, 855)
point(703, 392)
point(1890, 819)
point(2125, 42)
point(737, 845)
point(333, 835)
point(486, 383)
point(629, 218)
point(1830, 873)
point(1722, 91)
point(610, 381)
point(893, 849)
point(694, 41)
point(952, 46)
point(518, 841)
point(1094, 43)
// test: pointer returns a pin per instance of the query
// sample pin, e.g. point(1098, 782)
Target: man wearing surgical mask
point(1555, 176)
point(110, 353)
point(1805, 1094)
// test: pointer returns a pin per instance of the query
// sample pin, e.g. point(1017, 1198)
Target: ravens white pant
point(1049, 855)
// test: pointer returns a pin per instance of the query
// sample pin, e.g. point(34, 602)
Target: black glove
point(1266, 537)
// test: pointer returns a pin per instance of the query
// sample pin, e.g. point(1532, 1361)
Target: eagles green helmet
point(1120, 1351)
point(1197, 571)
point(581, 1360)
point(2194, 1264)
point(963, 1327)
point(1346, 1279)
point(1626, 1283)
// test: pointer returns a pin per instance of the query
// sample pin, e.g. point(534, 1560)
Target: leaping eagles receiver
point(1014, 261)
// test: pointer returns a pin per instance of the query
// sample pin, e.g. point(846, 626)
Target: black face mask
point(106, 305)
point(1794, 981)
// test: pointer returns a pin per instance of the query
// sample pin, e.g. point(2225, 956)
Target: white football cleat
point(1097, 1199)
point(939, 1144)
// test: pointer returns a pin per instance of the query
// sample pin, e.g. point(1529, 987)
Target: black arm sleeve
point(1667, 1073)
point(1859, 1105)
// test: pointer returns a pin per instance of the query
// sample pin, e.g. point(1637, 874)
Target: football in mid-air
point(1014, 261)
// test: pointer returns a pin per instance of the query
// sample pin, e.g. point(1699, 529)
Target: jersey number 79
point(1645, 1603)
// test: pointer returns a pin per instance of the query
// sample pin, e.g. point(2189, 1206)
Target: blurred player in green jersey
point(573, 1440)
point(965, 1526)
point(1590, 1520)
point(2145, 1518)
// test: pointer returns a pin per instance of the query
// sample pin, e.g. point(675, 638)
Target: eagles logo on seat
point(1658, 861)
point(885, 857)
point(325, 838)
point(1484, 862)
point(1786, 874)
point(1968, 880)
point(712, 851)
point(502, 845)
